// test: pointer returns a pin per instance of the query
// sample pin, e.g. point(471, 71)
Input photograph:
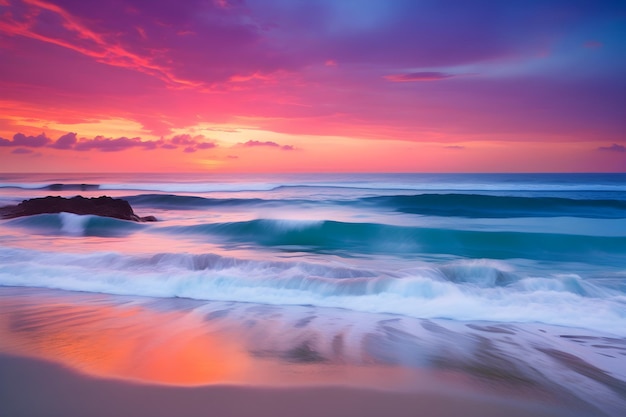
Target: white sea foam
point(73, 224)
point(423, 292)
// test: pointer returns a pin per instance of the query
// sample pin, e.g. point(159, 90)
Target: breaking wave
point(461, 290)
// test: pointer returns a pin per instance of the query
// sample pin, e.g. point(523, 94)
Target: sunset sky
point(312, 86)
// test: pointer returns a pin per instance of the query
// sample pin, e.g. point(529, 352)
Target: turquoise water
point(495, 244)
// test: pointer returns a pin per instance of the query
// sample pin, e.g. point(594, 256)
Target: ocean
point(513, 285)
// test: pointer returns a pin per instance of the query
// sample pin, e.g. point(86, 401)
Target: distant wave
point(414, 184)
point(488, 206)
point(52, 187)
point(457, 205)
point(346, 237)
point(407, 186)
point(182, 202)
point(462, 290)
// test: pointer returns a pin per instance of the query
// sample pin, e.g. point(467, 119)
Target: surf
point(460, 290)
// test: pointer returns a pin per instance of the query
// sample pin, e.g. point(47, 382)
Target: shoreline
point(78, 353)
point(61, 391)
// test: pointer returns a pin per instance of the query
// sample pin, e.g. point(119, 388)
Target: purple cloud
point(70, 141)
point(205, 145)
point(191, 143)
point(256, 143)
point(418, 76)
point(184, 139)
point(112, 145)
point(66, 141)
point(613, 148)
point(454, 147)
point(19, 139)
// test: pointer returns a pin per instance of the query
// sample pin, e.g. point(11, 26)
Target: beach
point(34, 388)
point(77, 355)
point(73, 354)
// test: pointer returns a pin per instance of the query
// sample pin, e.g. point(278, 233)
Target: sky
point(312, 86)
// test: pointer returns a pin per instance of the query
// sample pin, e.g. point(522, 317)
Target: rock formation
point(99, 206)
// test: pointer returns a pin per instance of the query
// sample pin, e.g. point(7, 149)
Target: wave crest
point(334, 236)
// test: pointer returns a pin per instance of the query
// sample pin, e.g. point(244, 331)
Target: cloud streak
point(418, 76)
point(65, 30)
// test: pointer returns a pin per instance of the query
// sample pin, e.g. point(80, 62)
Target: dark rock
point(99, 206)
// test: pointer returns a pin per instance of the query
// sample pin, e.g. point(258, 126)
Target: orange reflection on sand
point(124, 342)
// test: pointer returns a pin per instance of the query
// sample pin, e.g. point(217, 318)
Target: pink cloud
point(53, 24)
point(256, 143)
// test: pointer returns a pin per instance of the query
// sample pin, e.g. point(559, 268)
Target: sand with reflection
point(270, 350)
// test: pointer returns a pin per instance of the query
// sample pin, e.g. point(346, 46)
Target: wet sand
point(34, 387)
point(82, 354)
